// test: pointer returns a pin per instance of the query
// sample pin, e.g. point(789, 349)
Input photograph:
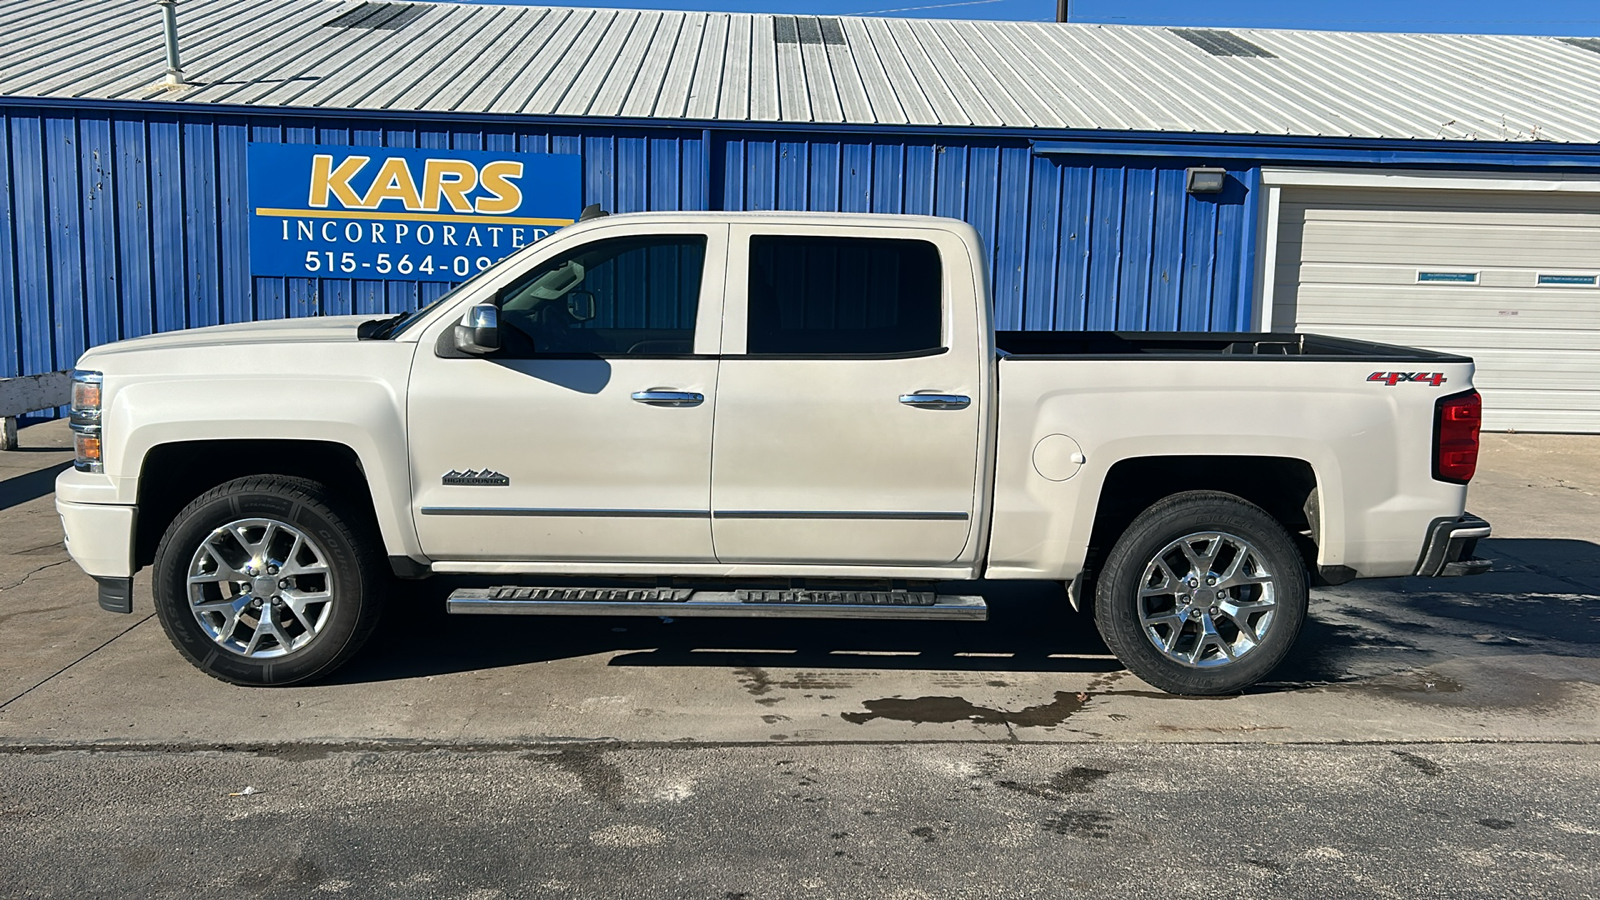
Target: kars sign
point(391, 213)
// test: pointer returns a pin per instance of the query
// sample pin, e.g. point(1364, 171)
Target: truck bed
point(1192, 344)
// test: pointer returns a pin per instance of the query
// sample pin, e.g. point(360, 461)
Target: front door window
point(628, 296)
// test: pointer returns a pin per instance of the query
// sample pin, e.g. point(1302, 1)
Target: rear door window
point(843, 296)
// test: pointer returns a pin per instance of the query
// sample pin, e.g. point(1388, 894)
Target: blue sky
point(1565, 17)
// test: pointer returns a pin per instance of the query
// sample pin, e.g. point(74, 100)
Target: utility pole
point(169, 18)
point(1061, 10)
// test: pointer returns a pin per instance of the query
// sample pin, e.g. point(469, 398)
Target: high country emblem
point(1394, 378)
point(473, 477)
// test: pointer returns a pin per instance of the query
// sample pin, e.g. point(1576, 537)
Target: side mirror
point(581, 306)
point(479, 333)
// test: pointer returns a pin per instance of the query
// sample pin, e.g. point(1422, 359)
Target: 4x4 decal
point(1394, 378)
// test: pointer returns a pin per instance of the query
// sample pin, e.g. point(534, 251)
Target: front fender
point(364, 411)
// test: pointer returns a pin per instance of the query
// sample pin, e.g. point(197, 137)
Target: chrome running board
point(748, 604)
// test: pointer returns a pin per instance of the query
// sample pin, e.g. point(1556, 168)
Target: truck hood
point(318, 330)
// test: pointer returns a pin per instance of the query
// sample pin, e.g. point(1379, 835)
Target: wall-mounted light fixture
point(1206, 181)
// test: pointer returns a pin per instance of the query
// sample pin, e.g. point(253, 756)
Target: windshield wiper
point(378, 329)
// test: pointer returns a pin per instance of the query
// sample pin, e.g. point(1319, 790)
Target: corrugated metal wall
point(120, 224)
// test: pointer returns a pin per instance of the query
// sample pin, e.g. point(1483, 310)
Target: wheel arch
point(173, 474)
point(1285, 487)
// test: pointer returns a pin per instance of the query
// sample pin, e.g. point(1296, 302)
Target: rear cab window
point(843, 297)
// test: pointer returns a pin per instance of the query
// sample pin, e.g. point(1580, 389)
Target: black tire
point(349, 551)
point(1132, 566)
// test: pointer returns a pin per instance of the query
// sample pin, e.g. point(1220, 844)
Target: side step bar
point(749, 604)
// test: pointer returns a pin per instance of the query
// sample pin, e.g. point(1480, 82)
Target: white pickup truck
point(757, 414)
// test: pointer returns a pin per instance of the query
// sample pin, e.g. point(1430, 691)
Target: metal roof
point(474, 59)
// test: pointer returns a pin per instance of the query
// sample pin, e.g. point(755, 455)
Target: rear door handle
point(669, 398)
point(937, 401)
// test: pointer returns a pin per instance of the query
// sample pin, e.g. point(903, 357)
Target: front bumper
point(99, 536)
point(1452, 545)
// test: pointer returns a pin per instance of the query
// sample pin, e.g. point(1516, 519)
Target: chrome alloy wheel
point(1207, 599)
point(260, 588)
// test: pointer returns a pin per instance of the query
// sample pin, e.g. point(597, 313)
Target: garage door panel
point(1315, 218)
point(1495, 304)
point(1455, 248)
point(1472, 341)
point(1490, 280)
point(1578, 226)
point(1357, 203)
point(1511, 399)
point(1459, 316)
point(1511, 418)
point(1348, 263)
point(1396, 251)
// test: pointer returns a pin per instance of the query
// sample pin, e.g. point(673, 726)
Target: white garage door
point(1511, 279)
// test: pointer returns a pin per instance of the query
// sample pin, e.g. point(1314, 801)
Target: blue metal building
point(125, 202)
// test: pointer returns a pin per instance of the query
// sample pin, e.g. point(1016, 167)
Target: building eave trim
point(1044, 142)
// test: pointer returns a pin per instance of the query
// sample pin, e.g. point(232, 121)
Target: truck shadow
point(1543, 598)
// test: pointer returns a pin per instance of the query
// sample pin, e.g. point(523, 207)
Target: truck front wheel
point(1203, 594)
point(263, 581)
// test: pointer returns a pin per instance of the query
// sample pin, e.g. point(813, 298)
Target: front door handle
point(937, 401)
point(669, 398)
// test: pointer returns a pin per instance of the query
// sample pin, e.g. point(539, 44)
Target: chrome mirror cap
point(479, 331)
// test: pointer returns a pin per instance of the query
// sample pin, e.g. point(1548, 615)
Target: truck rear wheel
point(263, 581)
point(1203, 594)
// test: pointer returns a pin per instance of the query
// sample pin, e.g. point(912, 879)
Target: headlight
point(86, 419)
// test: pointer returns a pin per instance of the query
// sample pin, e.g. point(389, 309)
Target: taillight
point(1456, 421)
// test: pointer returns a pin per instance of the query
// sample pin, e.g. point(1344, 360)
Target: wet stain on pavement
point(1327, 650)
point(1077, 780)
point(1032, 790)
point(756, 681)
point(297, 875)
point(1085, 823)
point(1267, 864)
point(990, 764)
point(809, 681)
point(1073, 780)
point(1218, 729)
point(595, 773)
point(1410, 684)
point(944, 710)
point(301, 752)
point(1106, 679)
point(1421, 763)
point(1494, 685)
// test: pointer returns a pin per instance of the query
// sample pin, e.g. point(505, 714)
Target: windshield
point(407, 319)
point(394, 327)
